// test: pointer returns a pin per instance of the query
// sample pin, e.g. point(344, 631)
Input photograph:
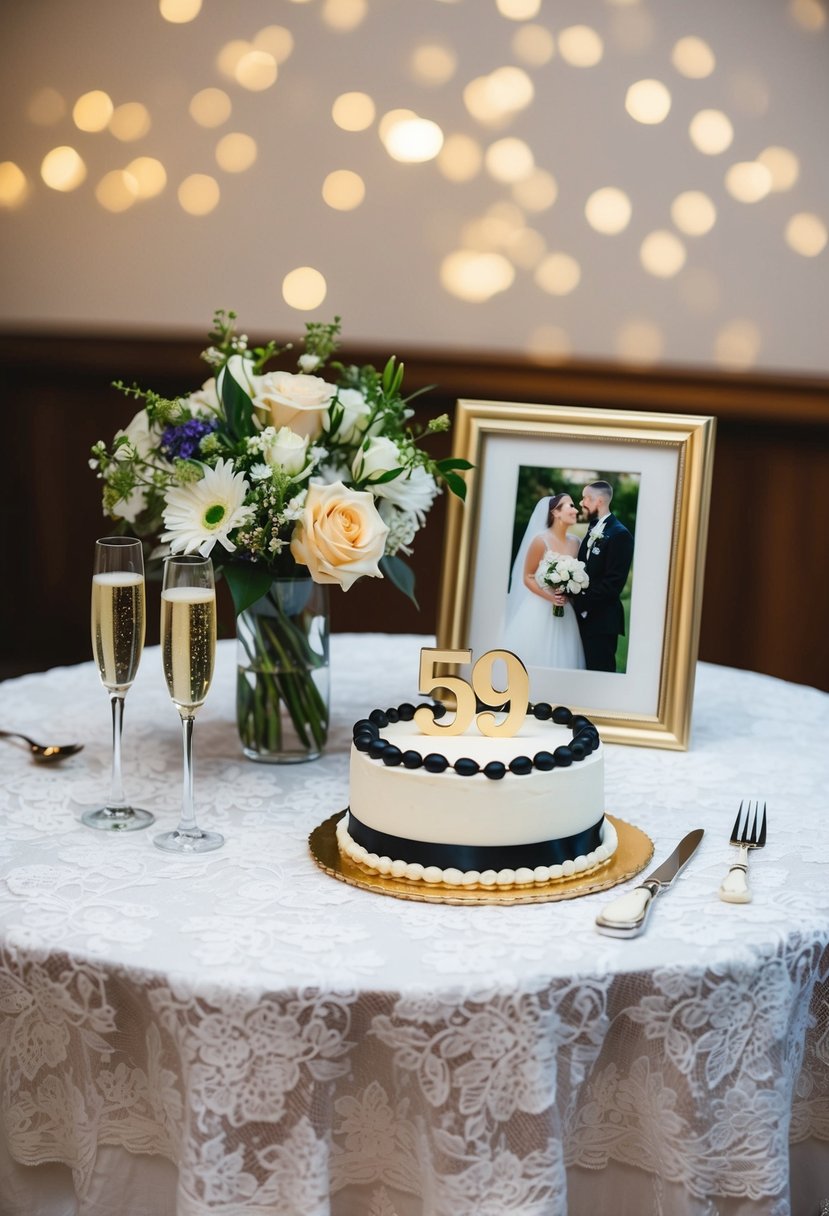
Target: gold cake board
point(634, 851)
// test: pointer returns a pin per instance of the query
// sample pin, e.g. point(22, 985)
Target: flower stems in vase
point(282, 680)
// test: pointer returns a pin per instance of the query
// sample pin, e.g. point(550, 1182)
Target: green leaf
point(247, 582)
point(456, 484)
point(454, 462)
point(238, 407)
point(382, 478)
point(397, 572)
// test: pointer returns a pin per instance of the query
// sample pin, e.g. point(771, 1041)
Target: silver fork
point(735, 888)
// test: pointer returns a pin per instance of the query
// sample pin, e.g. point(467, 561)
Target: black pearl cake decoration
point(367, 738)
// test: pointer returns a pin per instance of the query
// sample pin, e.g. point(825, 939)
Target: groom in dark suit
point(607, 552)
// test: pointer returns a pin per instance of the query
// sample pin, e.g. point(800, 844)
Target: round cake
point(471, 810)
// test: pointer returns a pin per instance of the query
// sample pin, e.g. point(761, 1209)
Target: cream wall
point(743, 297)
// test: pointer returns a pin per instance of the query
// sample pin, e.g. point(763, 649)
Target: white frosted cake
point(468, 810)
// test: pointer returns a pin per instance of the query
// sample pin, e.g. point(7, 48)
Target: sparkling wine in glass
point(188, 652)
point(117, 643)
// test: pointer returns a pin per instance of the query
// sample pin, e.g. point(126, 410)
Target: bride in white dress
point(532, 631)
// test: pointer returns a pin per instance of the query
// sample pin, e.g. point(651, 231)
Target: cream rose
point(339, 536)
point(294, 399)
point(284, 449)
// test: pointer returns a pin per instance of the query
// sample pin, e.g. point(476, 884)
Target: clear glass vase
point(282, 673)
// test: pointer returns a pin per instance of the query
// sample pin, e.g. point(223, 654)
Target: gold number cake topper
point(517, 692)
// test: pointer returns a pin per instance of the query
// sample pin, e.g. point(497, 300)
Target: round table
point(238, 1032)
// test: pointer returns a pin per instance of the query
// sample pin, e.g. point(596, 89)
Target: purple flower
point(182, 442)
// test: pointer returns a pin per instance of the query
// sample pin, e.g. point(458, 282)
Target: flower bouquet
point(560, 572)
point(291, 481)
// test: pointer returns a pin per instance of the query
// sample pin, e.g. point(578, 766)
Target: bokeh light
point(548, 344)
point(509, 160)
point(639, 341)
point(806, 234)
point(343, 190)
point(648, 101)
point(14, 185)
point(412, 140)
point(808, 14)
point(525, 247)
point(344, 15)
point(580, 46)
point(130, 121)
point(117, 190)
point(783, 166)
point(149, 175)
point(693, 212)
point(558, 274)
point(63, 169)
point(518, 10)
point(304, 288)
point(534, 44)
point(210, 107)
point(236, 152)
point(229, 56)
point(353, 111)
point(737, 344)
point(199, 194)
point(179, 11)
point(608, 210)
point(662, 254)
point(92, 111)
point(537, 192)
point(692, 57)
point(476, 277)
point(460, 158)
point(711, 132)
point(46, 107)
point(256, 71)
point(276, 41)
point(748, 181)
point(495, 98)
point(433, 63)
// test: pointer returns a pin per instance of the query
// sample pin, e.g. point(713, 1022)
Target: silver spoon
point(42, 751)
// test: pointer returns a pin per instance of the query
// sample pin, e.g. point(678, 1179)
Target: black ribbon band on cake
point(476, 857)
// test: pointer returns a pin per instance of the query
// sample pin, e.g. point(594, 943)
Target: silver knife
point(626, 916)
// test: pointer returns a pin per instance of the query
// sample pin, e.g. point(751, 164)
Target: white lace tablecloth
point(301, 1048)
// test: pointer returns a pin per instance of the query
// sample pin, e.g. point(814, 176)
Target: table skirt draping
point(296, 1047)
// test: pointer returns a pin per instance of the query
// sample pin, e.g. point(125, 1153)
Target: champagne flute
point(188, 652)
point(117, 643)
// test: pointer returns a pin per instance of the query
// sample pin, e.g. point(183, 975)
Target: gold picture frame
point(671, 457)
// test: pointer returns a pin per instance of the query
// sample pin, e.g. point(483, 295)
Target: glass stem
point(187, 823)
point(116, 798)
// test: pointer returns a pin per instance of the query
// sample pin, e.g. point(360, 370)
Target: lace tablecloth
point(301, 1048)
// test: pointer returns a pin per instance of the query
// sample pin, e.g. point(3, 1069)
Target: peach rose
point(340, 535)
point(294, 400)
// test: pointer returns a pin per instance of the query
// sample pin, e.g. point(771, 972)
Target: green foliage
point(397, 572)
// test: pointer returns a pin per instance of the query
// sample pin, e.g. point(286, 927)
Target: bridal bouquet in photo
point(288, 480)
point(560, 572)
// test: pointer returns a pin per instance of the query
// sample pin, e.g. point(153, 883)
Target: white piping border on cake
point(432, 875)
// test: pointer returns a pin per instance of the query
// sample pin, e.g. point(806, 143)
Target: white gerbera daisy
point(199, 514)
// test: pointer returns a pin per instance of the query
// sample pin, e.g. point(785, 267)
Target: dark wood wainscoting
point(766, 589)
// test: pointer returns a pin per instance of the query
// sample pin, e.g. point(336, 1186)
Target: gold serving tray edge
point(634, 851)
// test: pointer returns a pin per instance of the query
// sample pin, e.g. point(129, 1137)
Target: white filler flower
point(199, 514)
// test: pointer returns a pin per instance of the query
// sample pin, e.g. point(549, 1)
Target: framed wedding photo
point(581, 548)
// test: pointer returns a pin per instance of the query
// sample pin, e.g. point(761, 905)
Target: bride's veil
point(537, 523)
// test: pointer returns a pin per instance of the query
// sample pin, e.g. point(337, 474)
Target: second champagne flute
point(188, 652)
